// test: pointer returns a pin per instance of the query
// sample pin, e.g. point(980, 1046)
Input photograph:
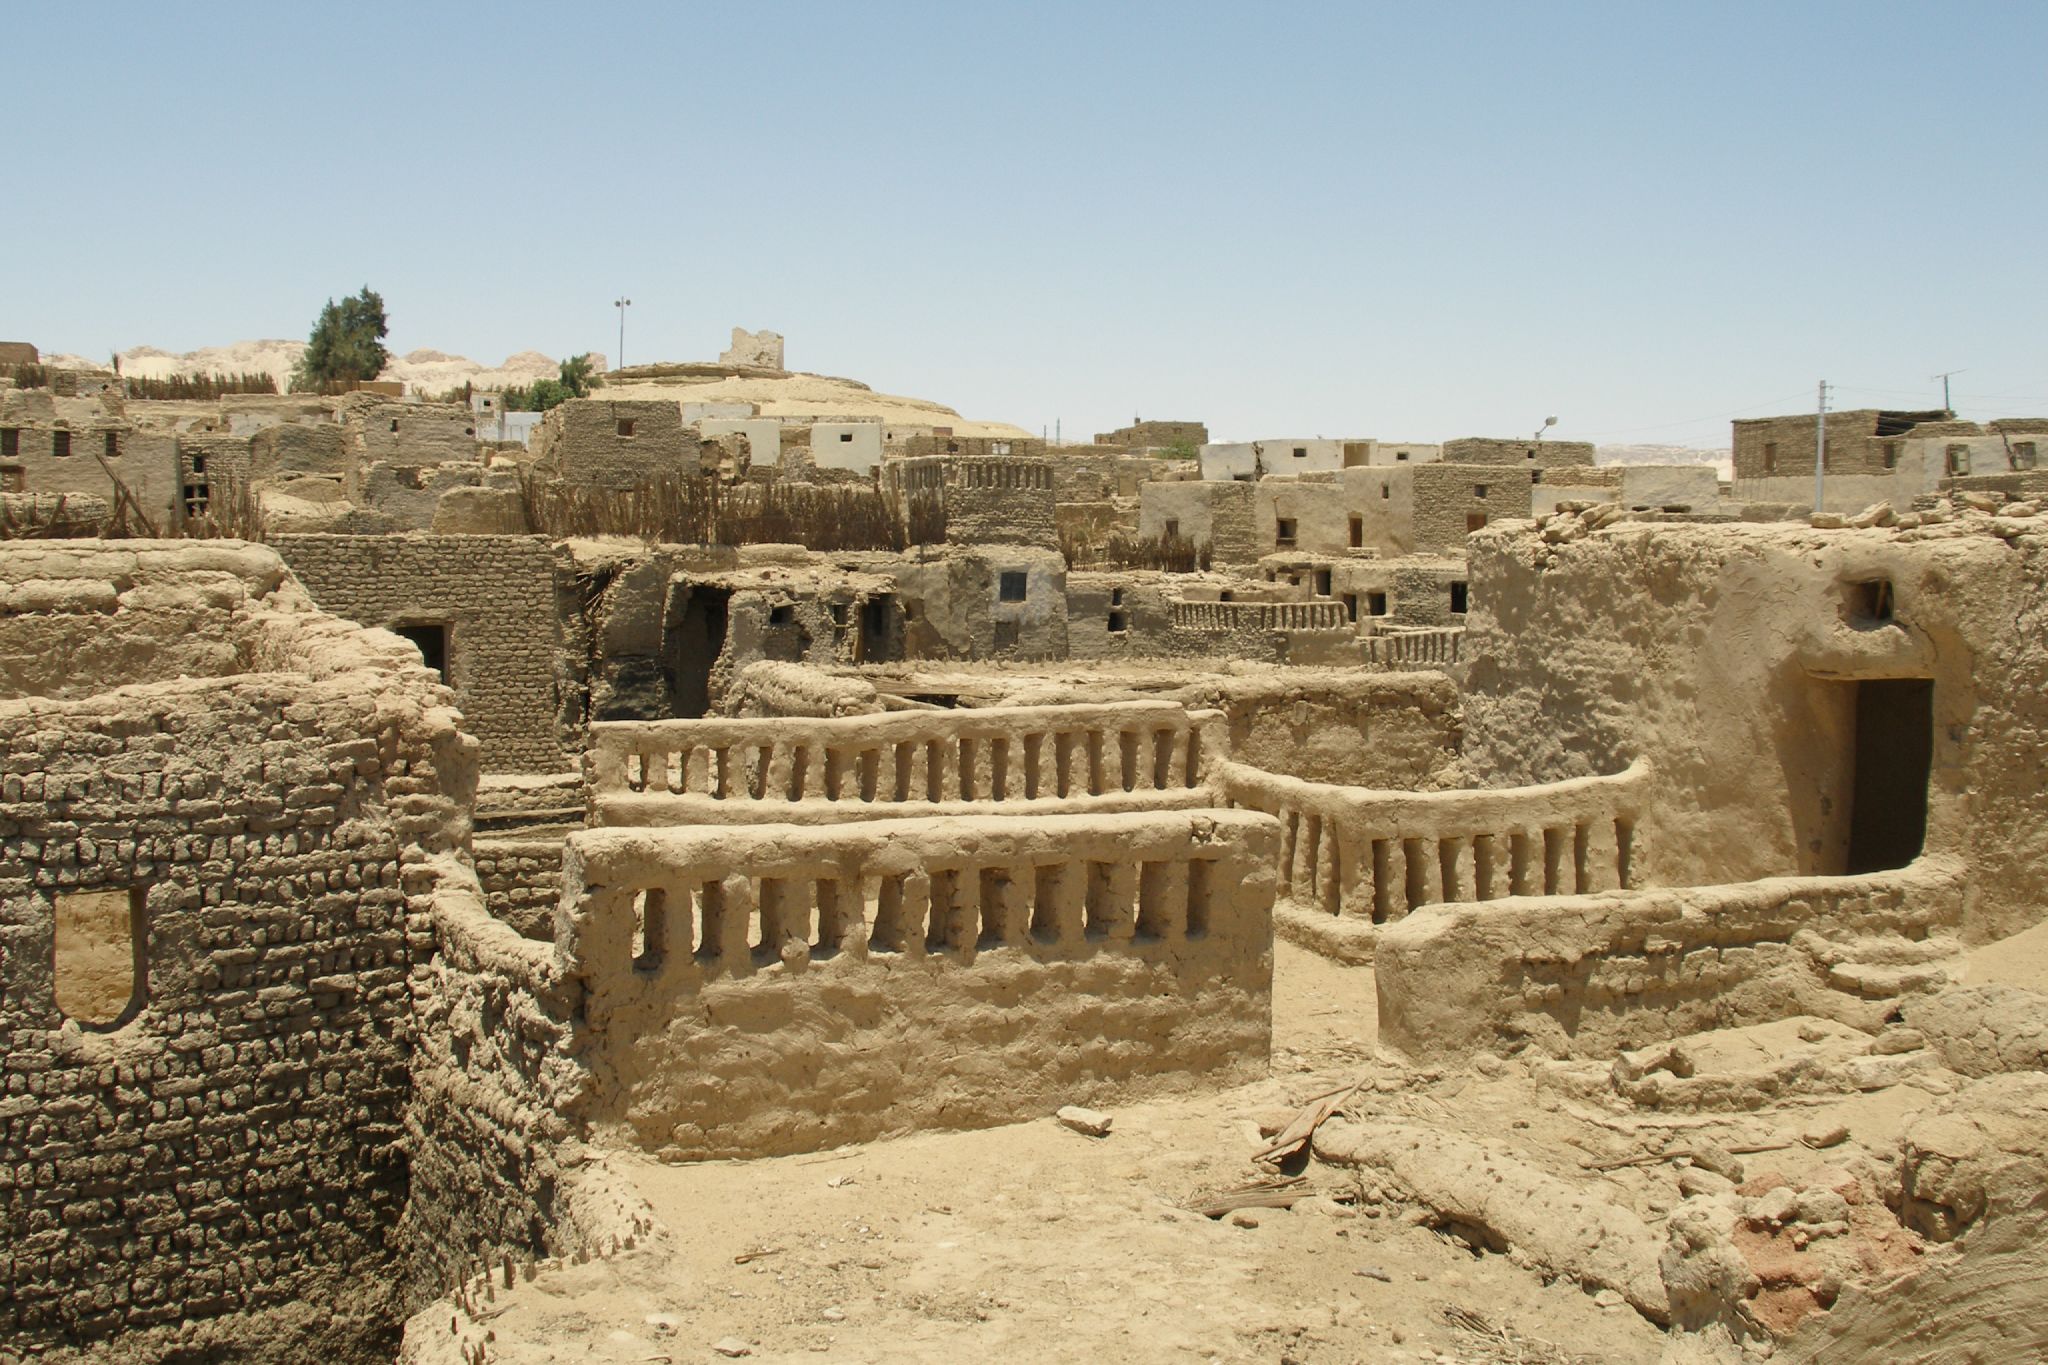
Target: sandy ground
point(1032, 1242)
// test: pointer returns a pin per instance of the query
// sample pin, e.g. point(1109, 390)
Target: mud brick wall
point(1000, 501)
point(582, 441)
point(233, 1144)
point(1447, 495)
point(522, 883)
point(496, 595)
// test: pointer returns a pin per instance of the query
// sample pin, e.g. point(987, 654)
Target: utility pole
point(1820, 449)
point(622, 303)
point(1944, 378)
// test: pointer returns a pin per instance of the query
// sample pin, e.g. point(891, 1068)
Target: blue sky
point(1415, 221)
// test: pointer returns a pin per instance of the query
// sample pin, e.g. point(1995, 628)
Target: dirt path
point(1035, 1243)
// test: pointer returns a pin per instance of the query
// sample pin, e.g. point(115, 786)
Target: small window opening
point(1283, 531)
point(1226, 596)
point(1375, 604)
point(1358, 532)
point(197, 499)
point(1351, 606)
point(98, 967)
point(1301, 452)
point(113, 446)
point(1478, 490)
point(60, 443)
point(1400, 454)
point(1118, 623)
point(1386, 490)
point(1457, 598)
point(1474, 521)
point(1012, 586)
point(784, 615)
point(10, 442)
point(841, 613)
point(1116, 597)
point(394, 424)
point(952, 447)
point(1871, 600)
point(1770, 457)
point(846, 436)
point(2023, 455)
point(1891, 454)
point(1322, 582)
point(1959, 459)
point(1530, 453)
point(626, 425)
point(1172, 529)
point(198, 464)
point(432, 639)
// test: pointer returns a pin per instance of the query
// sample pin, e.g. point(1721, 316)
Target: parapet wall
point(1598, 974)
point(1375, 856)
point(782, 988)
point(1039, 759)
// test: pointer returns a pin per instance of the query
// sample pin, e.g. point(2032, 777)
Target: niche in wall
point(99, 969)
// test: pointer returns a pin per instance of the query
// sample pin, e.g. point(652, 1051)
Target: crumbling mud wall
point(1594, 975)
point(1731, 656)
point(1399, 731)
point(780, 988)
point(212, 1133)
point(493, 601)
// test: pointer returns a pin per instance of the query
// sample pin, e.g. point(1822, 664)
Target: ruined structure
point(1546, 876)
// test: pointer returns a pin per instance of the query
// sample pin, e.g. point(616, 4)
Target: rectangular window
point(1478, 490)
point(1116, 597)
point(1172, 529)
point(784, 615)
point(1301, 452)
point(1375, 604)
point(1351, 606)
point(1958, 459)
point(1011, 588)
point(2022, 454)
point(841, 613)
point(113, 444)
point(1891, 454)
point(198, 464)
point(1118, 623)
point(1401, 455)
point(1357, 533)
point(626, 426)
point(1386, 490)
point(846, 436)
point(99, 970)
point(60, 443)
point(1283, 532)
point(1770, 457)
point(1322, 582)
point(10, 443)
point(1870, 601)
point(1474, 521)
point(1458, 598)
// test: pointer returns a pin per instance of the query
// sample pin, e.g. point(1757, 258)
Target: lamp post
point(622, 303)
point(1548, 423)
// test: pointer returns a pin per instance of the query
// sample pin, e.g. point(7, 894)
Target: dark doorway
point(695, 641)
point(1894, 751)
point(432, 639)
point(876, 629)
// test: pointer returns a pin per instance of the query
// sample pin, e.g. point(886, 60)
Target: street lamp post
point(622, 303)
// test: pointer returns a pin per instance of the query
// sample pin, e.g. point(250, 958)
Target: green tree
point(574, 379)
point(347, 344)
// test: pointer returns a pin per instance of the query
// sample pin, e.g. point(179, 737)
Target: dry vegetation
point(699, 510)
